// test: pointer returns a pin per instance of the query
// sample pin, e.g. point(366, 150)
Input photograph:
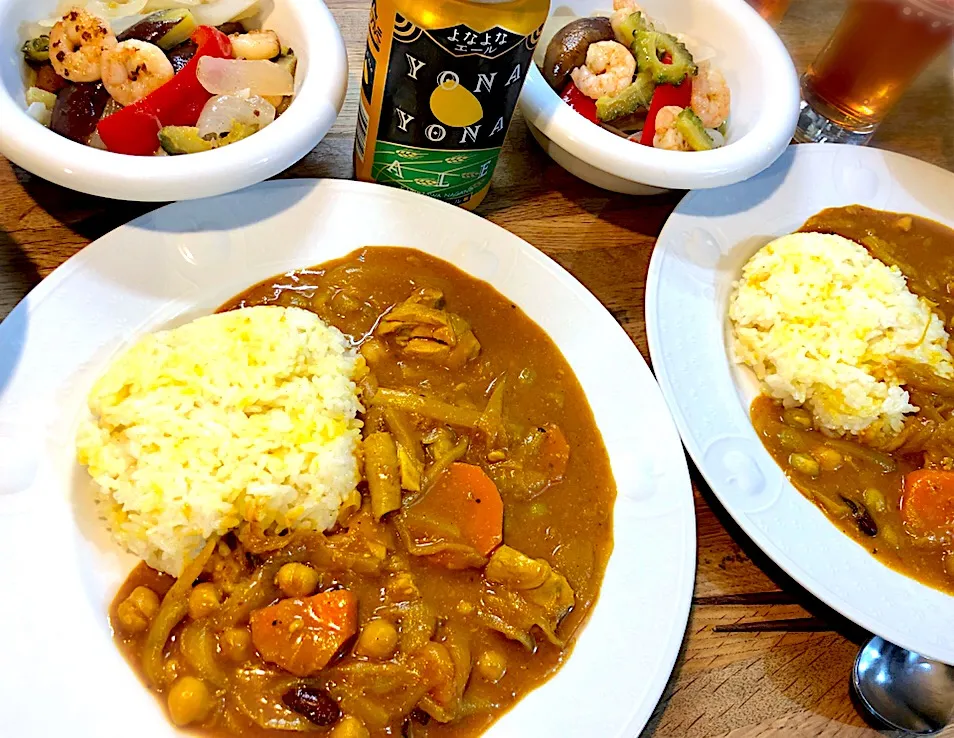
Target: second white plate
point(699, 254)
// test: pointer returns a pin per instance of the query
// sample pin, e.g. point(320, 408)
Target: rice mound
point(248, 415)
point(823, 323)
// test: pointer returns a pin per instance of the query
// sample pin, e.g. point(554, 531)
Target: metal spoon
point(903, 689)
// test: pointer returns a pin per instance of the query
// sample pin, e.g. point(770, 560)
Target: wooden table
point(762, 657)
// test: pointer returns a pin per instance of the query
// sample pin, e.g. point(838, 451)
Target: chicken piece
point(534, 465)
point(422, 328)
point(521, 592)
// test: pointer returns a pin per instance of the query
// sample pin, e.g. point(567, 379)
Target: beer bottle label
point(441, 114)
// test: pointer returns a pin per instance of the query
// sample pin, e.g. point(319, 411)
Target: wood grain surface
point(761, 656)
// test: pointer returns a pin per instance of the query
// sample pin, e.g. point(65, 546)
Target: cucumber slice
point(649, 49)
point(186, 139)
point(638, 95)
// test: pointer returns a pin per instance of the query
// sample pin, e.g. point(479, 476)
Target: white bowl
point(765, 99)
point(320, 82)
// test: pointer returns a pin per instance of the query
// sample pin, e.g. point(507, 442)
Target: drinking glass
point(877, 50)
point(771, 10)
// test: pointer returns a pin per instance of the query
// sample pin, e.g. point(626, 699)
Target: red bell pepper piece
point(678, 95)
point(177, 103)
point(585, 106)
point(140, 134)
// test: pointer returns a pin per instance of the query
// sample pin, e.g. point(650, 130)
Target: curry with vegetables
point(893, 495)
point(464, 577)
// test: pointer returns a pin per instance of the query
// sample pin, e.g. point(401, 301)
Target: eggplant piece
point(47, 79)
point(78, 109)
point(567, 49)
point(177, 140)
point(231, 28)
point(181, 55)
point(164, 28)
point(862, 517)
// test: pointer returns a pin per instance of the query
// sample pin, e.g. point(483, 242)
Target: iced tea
point(877, 50)
point(772, 10)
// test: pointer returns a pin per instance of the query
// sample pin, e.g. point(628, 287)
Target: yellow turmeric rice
point(249, 415)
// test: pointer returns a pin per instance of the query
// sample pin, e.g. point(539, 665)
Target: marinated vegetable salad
point(157, 77)
point(626, 74)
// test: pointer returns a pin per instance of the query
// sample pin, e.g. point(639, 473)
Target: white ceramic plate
point(59, 570)
point(699, 254)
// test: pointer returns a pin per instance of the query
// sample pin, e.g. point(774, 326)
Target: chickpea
point(828, 458)
point(805, 464)
point(189, 701)
point(798, 417)
point(349, 727)
point(136, 612)
point(539, 509)
point(378, 640)
point(492, 665)
point(203, 600)
point(789, 439)
point(236, 644)
point(297, 580)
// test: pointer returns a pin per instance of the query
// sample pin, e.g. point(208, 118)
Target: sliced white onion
point(154, 5)
point(127, 21)
point(221, 112)
point(40, 113)
point(718, 140)
point(228, 76)
point(222, 11)
point(112, 9)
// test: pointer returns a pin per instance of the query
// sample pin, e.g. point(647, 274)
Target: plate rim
point(680, 595)
point(789, 565)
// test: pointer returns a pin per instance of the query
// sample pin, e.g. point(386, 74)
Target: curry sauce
point(458, 637)
point(861, 487)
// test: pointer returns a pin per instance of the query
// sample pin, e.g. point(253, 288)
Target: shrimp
point(710, 96)
point(667, 136)
point(629, 5)
point(256, 45)
point(609, 70)
point(77, 43)
point(132, 69)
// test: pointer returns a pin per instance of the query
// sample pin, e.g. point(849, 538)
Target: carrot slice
point(461, 510)
point(928, 501)
point(301, 635)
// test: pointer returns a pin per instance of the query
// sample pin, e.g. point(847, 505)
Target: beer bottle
point(439, 85)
